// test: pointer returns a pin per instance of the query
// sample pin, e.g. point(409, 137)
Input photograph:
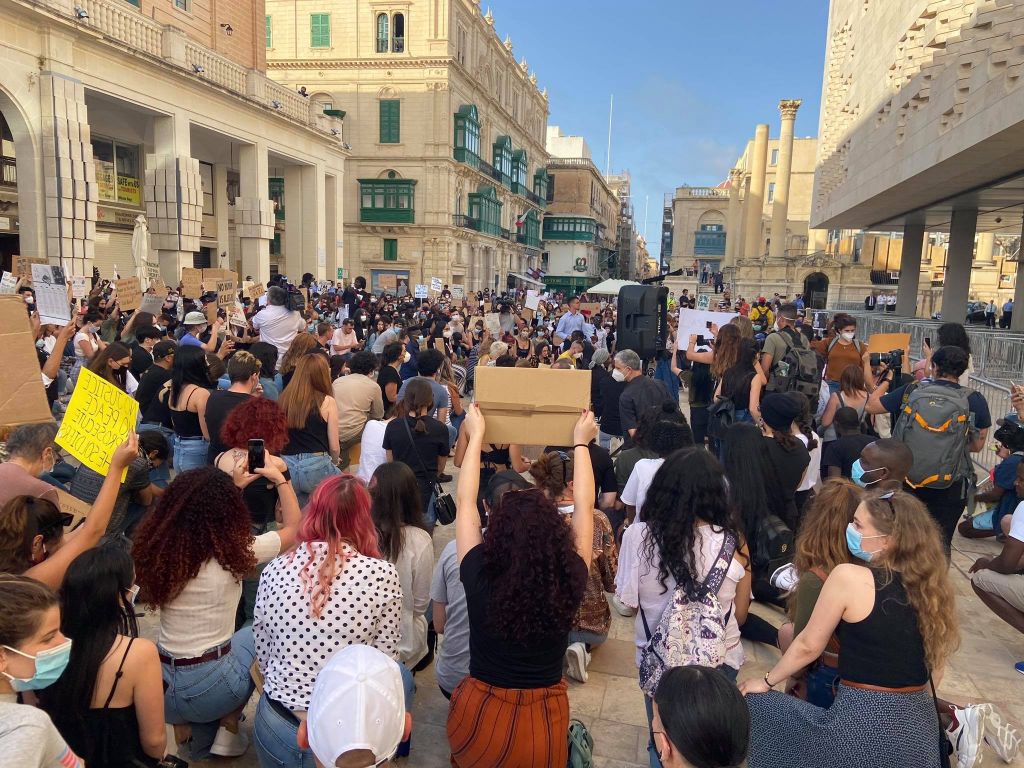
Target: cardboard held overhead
point(492, 322)
point(226, 294)
point(78, 509)
point(191, 283)
point(531, 406)
point(152, 303)
point(79, 287)
point(23, 266)
point(694, 322)
point(129, 293)
point(256, 290)
point(590, 309)
point(22, 398)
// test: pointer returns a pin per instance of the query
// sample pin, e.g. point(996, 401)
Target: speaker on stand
point(642, 320)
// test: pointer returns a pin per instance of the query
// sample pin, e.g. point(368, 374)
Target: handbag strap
point(412, 444)
point(716, 575)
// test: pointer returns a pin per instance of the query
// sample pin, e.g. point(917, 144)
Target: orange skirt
point(508, 727)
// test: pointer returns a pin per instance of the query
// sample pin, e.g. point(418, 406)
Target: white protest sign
point(694, 322)
point(51, 294)
point(436, 284)
point(458, 292)
point(79, 286)
point(704, 301)
point(532, 300)
point(421, 292)
point(8, 282)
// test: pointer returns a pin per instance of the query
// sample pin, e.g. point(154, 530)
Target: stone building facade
point(111, 110)
point(447, 176)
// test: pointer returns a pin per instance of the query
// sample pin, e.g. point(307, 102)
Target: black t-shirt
point(151, 383)
point(220, 404)
point(611, 391)
point(788, 467)
point(388, 375)
point(601, 461)
point(498, 661)
point(422, 455)
point(843, 452)
point(141, 361)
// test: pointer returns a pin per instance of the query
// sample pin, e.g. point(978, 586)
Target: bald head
point(889, 455)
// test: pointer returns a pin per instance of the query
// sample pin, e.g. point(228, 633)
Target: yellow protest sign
point(98, 419)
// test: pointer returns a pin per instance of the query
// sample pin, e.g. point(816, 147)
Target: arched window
point(398, 40)
point(382, 33)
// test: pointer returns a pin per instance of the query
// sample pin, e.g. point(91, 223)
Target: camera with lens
point(296, 302)
point(892, 360)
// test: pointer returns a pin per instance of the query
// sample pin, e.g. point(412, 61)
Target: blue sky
point(691, 79)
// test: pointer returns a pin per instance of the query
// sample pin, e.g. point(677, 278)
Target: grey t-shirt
point(452, 663)
point(29, 740)
point(86, 485)
point(441, 397)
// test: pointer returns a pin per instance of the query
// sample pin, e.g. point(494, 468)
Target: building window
point(270, 32)
point(390, 200)
point(390, 121)
point(502, 159)
point(771, 192)
point(485, 211)
point(467, 135)
point(398, 38)
point(183, 5)
point(775, 157)
point(136, 3)
point(390, 249)
point(542, 184)
point(118, 172)
point(528, 229)
point(549, 192)
point(319, 30)
point(275, 192)
point(382, 33)
point(520, 163)
point(460, 46)
point(8, 164)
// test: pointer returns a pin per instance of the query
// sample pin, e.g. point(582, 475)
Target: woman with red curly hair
point(191, 555)
point(524, 579)
point(333, 590)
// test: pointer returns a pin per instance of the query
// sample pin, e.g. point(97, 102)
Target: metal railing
point(464, 221)
point(8, 172)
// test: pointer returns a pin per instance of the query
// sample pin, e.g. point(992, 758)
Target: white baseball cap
point(358, 703)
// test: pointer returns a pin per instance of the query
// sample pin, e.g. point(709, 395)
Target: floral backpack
point(692, 630)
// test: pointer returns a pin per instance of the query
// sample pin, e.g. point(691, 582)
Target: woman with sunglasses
point(895, 617)
point(32, 538)
point(524, 577)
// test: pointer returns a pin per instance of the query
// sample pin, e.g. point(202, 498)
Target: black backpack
point(799, 370)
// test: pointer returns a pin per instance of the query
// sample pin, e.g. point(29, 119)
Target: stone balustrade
point(703, 192)
point(215, 68)
point(125, 24)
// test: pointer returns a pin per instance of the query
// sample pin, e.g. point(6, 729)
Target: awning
point(610, 287)
point(525, 279)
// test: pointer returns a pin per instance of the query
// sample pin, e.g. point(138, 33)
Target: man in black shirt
point(640, 394)
point(142, 350)
point(838, 455)
point(244, 374)
point(155, 377)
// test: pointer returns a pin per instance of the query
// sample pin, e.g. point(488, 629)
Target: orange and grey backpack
point(935, 422)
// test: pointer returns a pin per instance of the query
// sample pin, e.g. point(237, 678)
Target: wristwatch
point(766, 680)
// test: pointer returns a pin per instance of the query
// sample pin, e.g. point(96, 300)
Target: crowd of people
point(277, 505)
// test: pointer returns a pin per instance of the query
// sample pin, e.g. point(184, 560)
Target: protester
point(111, 364)
point(524, 578)
point(851, 391)
point(639, 394)
point(1002, 495)
point(948, 335)
point(333, 590)
point(839, 455)
point(186, 398)
point(276, 324)
point(841, 352)
point(146, 340)
point(359, 400)
point(87, 342)
point(301, 345)
point(787, 454)
point(136, 487)
point(190, 556)
point(270, 379)
point(743, 380)
point(31, 453)
point(152, 381)
point(244, 374)
point(388, 378)
point(664, 437)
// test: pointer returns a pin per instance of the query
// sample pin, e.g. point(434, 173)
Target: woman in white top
point(688, 515)
point(87, 342)
point(404, 540)
point(331, 591)
point(191, 555)
point(371, 448)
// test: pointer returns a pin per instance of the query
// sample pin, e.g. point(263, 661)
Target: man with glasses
point(31, 453)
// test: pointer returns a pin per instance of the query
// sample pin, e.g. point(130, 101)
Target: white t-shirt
point(1017, 523)
point(638, 585)
point(813, 472)
point(371, 446)
point(278, 326)
point(415, 571)
point(639, 481)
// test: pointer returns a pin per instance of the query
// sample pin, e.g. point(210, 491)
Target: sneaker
point(621, 608)
point(1019, 666)
point(1001, 736)
point(966, 733)
point(228, 744)
point(578, 658)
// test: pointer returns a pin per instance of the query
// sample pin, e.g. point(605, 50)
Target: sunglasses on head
point(887, 498)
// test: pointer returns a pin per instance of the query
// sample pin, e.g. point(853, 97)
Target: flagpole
point(608, 158)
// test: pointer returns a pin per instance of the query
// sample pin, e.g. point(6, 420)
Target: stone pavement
point(611, 704)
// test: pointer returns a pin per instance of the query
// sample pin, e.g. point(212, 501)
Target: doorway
point(816, 290)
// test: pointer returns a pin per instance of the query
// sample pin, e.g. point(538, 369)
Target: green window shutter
point(270, 33)
point(390, 121)
point(320, 30)
point(390, 250)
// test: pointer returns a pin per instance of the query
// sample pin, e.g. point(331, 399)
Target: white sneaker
point(621, 608)
point(577, 659)
point(228, 744)
point(999, 735)
point(966, 733)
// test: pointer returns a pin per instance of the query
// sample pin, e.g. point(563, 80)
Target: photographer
point(277, 324)
point(942, 423)
point(840, 350)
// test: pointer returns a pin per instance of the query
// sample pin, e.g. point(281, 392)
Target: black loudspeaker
point(643, 319)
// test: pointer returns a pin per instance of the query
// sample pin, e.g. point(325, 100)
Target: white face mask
point(848, 335)
point(407, 357)
point(618, 375)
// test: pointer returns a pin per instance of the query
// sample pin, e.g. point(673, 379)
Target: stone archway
point(816, 290)
point(29, 183)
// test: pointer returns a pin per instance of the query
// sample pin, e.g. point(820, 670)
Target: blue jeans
point(275, 734)
point(307, 471)
point(457, 419)
point(822, 682)
point(190, 453)
point(833, 387)
point(652, 750)
point(202, 694)
point(663, 373)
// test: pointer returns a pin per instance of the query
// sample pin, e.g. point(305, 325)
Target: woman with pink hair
point(331, 591)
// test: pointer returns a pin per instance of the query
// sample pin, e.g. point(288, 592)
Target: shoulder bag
point(444, 504)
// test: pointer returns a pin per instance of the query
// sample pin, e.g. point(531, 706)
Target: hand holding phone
point(257, 455)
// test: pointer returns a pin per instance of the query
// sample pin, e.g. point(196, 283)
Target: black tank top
point(186, 423)
point(312, 438)
point(886, 648)
point(521, 353)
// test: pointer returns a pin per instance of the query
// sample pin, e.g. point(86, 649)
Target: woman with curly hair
point(553, 473)
point(334, 589)
point(524, 579)
point(191, 555)
point(895, 617)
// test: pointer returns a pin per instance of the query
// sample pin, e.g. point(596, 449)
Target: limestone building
point(447, 176)
point(114, 108)
point(624, 266)
point(580, 224)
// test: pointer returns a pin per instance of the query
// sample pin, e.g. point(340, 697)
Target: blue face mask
point(855, 541)
point(50, 665)
point(857, 473)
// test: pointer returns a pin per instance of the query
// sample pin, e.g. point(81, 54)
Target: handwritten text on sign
point(98, 419)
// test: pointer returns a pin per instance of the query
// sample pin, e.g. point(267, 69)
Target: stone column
point(254, 212)
point(292, 240)
point(222, 217)
point(780, 209)
point(956, 286)
point(755, 200)
point(1017, 319)
point(733, 223)
point(910, 270)
point(314, 253)
point(332, 227)
point(173, 195)
point(986, 247)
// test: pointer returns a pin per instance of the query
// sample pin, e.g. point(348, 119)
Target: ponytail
point(421, 425)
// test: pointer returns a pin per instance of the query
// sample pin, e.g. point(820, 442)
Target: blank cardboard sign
point(22, 398)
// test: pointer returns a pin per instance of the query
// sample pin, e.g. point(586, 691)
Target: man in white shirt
point(277, 324)
point(345, 341)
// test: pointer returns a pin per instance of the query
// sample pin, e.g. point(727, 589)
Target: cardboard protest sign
point(79, 286)
point(129, 293)
point(256, 290)
point(237, 315)
point(152, 303)
point(527, 314)
point(436, 284)
point(98, 419)
point(191, 283)
point(531, 406)
point(158, 286)
point(8, 283)
point(23, 266)
point(458, 292)
point(226, 294)
point(590, 309)
point(439, 345)
point(887, 342)
point(388, 282)
point(22, 398)
point(694, 322)
point(421, 292)
point(532, 300)
point(211, 276)
point(492, 322)
point(211, 310)
point(487, 307)
point(51, 294)
point(78, 509)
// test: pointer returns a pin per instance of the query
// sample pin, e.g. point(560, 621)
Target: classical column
point(221, 217)
point(755, 200)
point(910, 270)
point(732, 224)
point(780, 209)
point(314, 241)
point(173, 194)
point(1017, 319)
point(956, 286)
point(333, 226)
point(292, 239)
point(254, 212)
point(986, 247)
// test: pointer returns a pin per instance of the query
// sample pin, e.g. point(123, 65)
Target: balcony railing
point(8, 172)
point(399, 45)
point(506, 234)
point(535, 199)
point(703, 192)
point(464, 221)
